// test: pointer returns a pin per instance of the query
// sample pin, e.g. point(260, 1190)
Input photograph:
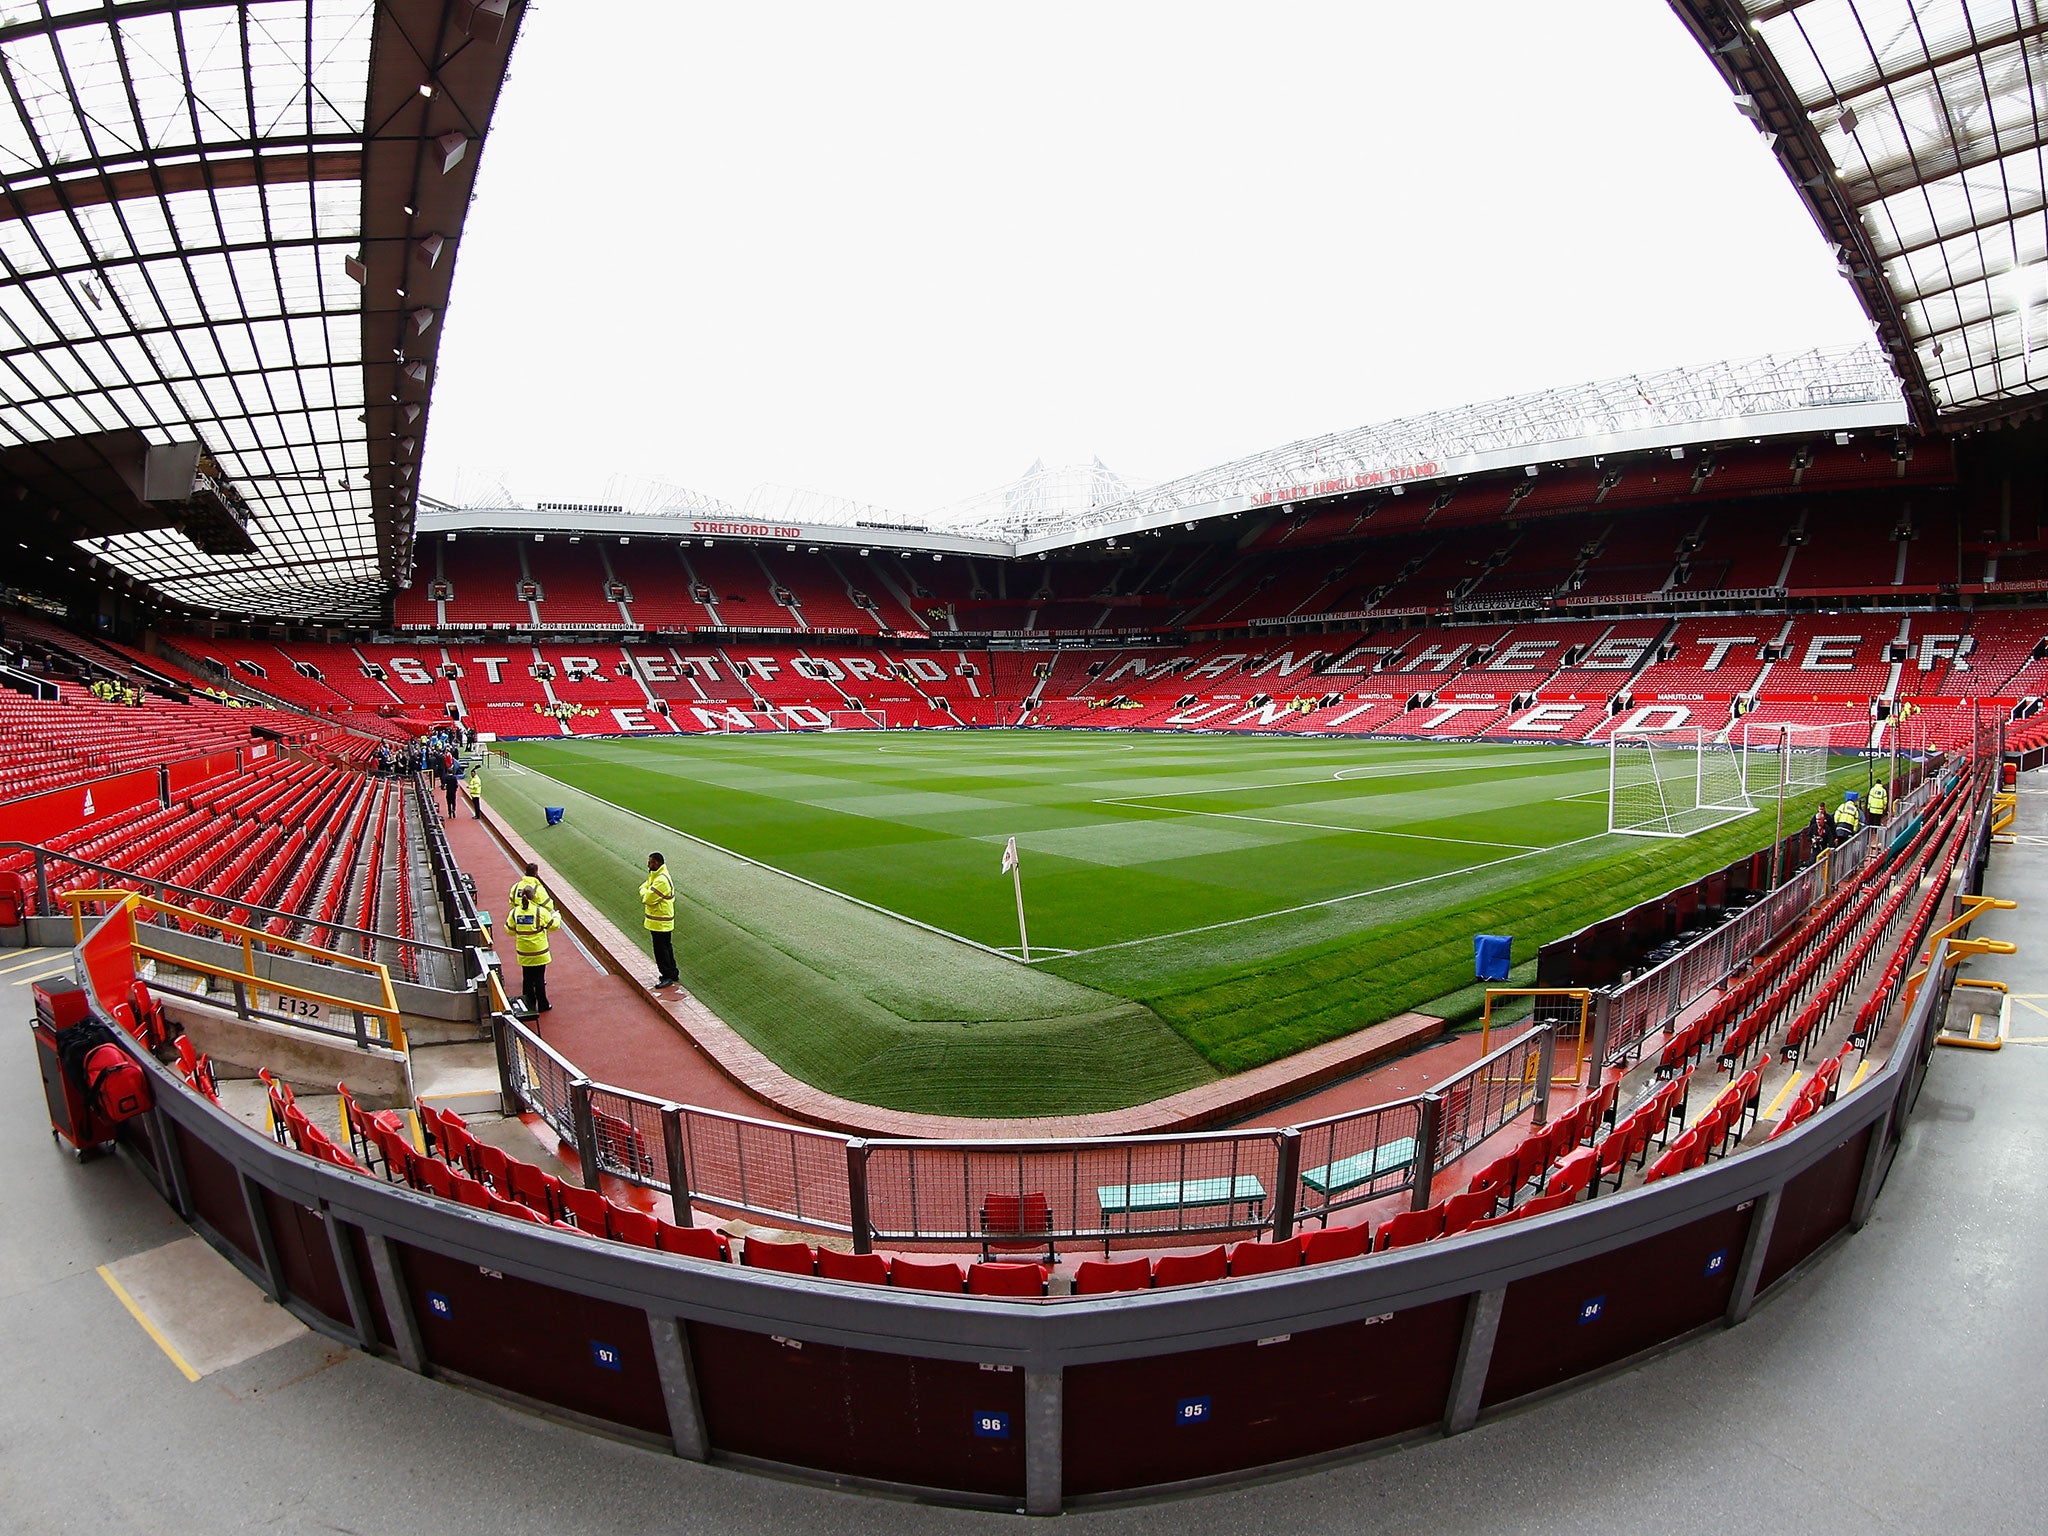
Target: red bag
point(116, 1088)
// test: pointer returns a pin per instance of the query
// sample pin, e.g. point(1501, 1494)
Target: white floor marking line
point(705, 842)
point(1324, 826)
point(1336, 901)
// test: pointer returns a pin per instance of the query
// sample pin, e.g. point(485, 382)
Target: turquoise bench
point(1129, 1200)
point(1348, 1173)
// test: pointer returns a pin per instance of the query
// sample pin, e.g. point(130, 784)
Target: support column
point(360, 1316)
point(1044, 1432)
point(266, 1240)
point(679, 1387)
point(1755, 1244)
point(1872, 1176)
point(405, 1328)
point(1286, 1184)
point(1475, 1357)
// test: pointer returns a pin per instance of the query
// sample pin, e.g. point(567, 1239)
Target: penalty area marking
point(1318, 826)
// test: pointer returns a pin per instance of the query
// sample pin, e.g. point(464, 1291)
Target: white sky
point(894, 253)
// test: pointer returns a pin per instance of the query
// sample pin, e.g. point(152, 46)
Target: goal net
point(1794, 757)
point(1673, 783)
point(857, 720)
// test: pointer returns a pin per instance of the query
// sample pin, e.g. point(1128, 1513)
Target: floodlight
point(430, 249)
point(354, 268)
point(453, 147)
point(421, 319)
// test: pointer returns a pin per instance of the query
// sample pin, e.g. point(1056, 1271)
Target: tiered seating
point(658, 576)
point(485, 575)
point(1833, 657)
point(575, 587)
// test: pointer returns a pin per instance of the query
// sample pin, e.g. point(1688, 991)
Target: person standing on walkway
point(1877, 803)
point(529, 887)
point(1848, 818)
point(658, 901)
point(531, 923)
point(448, 783)
point(474, 786)
point(1822, 828)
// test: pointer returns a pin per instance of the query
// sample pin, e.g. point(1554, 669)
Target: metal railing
point(309, 1008)
point(1473, 1104)
point(49, 904)
point(1368, 1154)
point(786, 1174)
point(1096, 1189)
point(1649, 1002)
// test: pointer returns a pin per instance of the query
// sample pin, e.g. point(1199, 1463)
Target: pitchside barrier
point(1029, 1405)
point(1627, 1015)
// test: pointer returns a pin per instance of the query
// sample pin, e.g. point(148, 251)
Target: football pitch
point(1195, 905)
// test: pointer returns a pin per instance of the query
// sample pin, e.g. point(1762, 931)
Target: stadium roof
point(233, 226)
point(1824, 391)
point(1914, 133)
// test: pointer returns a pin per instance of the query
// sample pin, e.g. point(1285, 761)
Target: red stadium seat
point(631, 1226)
point(1006, 1280)
point(785, 1258)
point(589, 1209)
point(1099, 1277)
point(1265, 1258)
point(690, 1242)
point(1460, 1211)
point(1575, 1173)
point(868, 1268)
point(1012, 1222)
point(1335, 1243)
point(1411, 1227)
point(1190, 1268)
point(927, 1275)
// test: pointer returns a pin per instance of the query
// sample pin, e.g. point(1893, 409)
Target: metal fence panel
point(782, 1173)
point(541, 1076)
point(627, 1129)
point(1126, 1186)
point(1351, 1159)
point(1487, 1095)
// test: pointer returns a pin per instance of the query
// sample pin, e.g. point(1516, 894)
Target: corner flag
point(1015, 870)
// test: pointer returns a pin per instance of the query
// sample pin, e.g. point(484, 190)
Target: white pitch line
point(705, 842)
point(1323, 826)
point(1336, 901)
point(1342, 775)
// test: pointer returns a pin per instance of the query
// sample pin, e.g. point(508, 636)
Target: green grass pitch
point(1197, 905)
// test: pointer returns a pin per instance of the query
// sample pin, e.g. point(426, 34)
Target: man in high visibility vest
point(658, 902)
point(529, 887)
point(1848, 818)
point(1878, 803)
point(530, 924)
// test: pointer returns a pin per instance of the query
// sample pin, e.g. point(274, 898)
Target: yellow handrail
point(385, 1012)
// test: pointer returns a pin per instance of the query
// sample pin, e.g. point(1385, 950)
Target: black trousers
point(664, 954)
point(533, 986)
point(451, 797)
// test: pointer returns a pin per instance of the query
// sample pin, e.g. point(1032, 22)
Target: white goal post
point(857, 720)
point(1673, 783)
point(1803, 770)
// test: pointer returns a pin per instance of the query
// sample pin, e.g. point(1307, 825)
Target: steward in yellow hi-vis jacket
point(1848, 818)
point(658, 901)
point(1878, 803)
point(529, 924)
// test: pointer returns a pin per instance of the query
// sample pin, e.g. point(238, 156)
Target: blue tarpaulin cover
point(555, 814)
point(1490, 953)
